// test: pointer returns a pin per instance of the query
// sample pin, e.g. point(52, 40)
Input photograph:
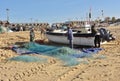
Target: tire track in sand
point(20, 73)
point(72, 73)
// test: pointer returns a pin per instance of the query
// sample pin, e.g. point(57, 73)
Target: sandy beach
point(107, 69)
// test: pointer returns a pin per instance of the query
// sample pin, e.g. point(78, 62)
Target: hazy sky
point(52, 11)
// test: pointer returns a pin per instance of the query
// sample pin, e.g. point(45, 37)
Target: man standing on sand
point(70, 36)
point(32, 35)
point(21, 28)
point(97, 36)
point(42, 30)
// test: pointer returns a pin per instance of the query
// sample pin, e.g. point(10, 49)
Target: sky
point(53, 11)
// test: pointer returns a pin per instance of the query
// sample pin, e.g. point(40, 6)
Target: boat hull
point(85, 40)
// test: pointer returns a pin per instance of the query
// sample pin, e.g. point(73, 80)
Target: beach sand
point(107, 69)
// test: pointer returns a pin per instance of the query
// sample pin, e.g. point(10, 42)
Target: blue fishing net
point(82, 55)
point(67, 55)
point(34, 47)
point(68, 60)
point(28, 58)
point(61, 53)
point(2, 29)
point(49, 50)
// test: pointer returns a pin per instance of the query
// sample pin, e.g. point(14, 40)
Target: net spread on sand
point(28, 58)
point(69, 56)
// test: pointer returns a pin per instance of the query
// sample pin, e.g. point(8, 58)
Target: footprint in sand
point(17, 77)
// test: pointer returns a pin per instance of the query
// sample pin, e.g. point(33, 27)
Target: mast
point(90, 16)
point(7, 11)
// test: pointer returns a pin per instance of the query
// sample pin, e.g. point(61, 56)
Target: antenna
point(102, 14)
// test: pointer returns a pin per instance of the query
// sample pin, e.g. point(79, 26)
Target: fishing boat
point(82, 36)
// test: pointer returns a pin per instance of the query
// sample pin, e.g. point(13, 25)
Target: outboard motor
point(105, 35)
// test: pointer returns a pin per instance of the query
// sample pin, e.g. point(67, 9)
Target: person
point(42, 30)
point(21, 28)
point(97, 36)
point(32, 35)
point(70, 37)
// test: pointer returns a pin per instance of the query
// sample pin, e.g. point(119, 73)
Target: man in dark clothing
point(97, 40)
point(97, 36)
point(70, 37)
